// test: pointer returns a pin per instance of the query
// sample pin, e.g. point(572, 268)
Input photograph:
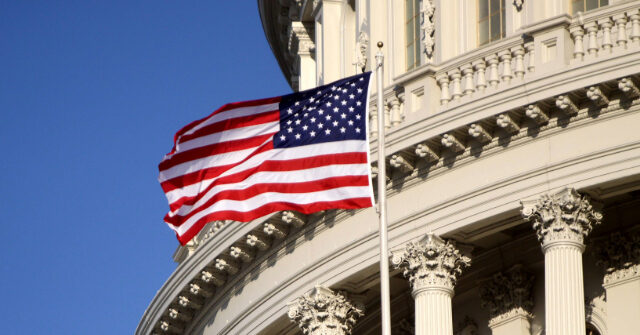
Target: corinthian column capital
point(322, 311)
point(562, 216)
point(507, 295)
point(619, 255)
point(431, 262)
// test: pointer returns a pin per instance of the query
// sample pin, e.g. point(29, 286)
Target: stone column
point(620, 257)
point(324, 312)
point(507, 296)
point(432, 266)
point(301, 46)
point(562, 220)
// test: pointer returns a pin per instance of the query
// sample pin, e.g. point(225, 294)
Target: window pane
point(495, 6)
point(592, 4)
point(483, 9)
point(604, 2)
point(577, 6)
point(495, 27)
point(410, 36)
point(503, 18)
point(410, 57)
point(408, 5)
point(483, 31)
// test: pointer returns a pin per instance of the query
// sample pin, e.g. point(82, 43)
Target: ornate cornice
point(431, 262)
point(562, 216)
point(324, 312)
point(619, 255)
point(508, 294)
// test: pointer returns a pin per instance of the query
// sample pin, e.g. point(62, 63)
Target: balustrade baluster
point(505, 58)
point(518, 52)
point(605, 25)
point(530, 47)
point(621, 24)
point(443, 82)
point(592, 30)
point(467, 73)
point(635, 27)
point(455, 80)
point(578, 47)
point(493, 70)
point(481, 81)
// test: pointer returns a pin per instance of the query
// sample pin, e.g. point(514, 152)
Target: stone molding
point(322, 311)
point(565, 215)
point(431, 263)
point(507, 295)
point(619, 255)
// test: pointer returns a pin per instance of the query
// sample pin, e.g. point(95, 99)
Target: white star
point(336, 97)
point(320, 125)
point(282, 138)
point(344, 90)
point(313, 119)
point(335, 123)
point(305, 127)
point(328, 131)
point(342, 130)
point(333, 88)
point(298, 136)
point(343, 102)
point(306, 115)
point(336, 109)
point(319, 92)
point(351, 96)
point(298, 122)
point(312, 133)
point(343, 115)
point(290, 129)
point(311, 108)
point(312, 99)
point(358, 116)
point(328, 103)
point(357, 130)
point(320, 111)
point(297, 103)
point(289, 122)
point(290, 111)
point(359, 90)
point(353, 84)
point(350, 122)
point(351, 109)
point(358, 103)
point(328, 117)
point(361, 79)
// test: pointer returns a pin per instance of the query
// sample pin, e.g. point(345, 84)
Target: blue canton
point(333, 112)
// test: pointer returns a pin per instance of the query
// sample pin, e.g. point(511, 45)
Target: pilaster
point(507, 296)
point(619, 255)
point(324, 312)
point(562, 220)
point(432, 266)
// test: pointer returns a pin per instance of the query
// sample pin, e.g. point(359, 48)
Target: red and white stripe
point(225, 167)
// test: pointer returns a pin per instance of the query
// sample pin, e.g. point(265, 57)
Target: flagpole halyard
point(382, 200)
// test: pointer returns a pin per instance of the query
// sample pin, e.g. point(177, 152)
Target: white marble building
point(514, 179)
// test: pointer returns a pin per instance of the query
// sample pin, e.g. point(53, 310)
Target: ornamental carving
point(518, 4)
point(431, 262)
point(619, 255)
point(362, 48)
point(322, 311)
point(507, 294)
point(428, 28)
point(565, 215)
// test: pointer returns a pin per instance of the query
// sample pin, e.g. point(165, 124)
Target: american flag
point(306, 151)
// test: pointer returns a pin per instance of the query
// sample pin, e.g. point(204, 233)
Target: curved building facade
point(513, 175)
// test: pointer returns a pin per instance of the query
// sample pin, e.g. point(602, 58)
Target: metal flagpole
point(382, 201)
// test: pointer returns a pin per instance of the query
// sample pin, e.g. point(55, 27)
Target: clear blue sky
point(91, 93)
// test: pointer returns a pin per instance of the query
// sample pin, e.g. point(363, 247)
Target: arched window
point(591, 330)
point(491, 21)
point(585, 5)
